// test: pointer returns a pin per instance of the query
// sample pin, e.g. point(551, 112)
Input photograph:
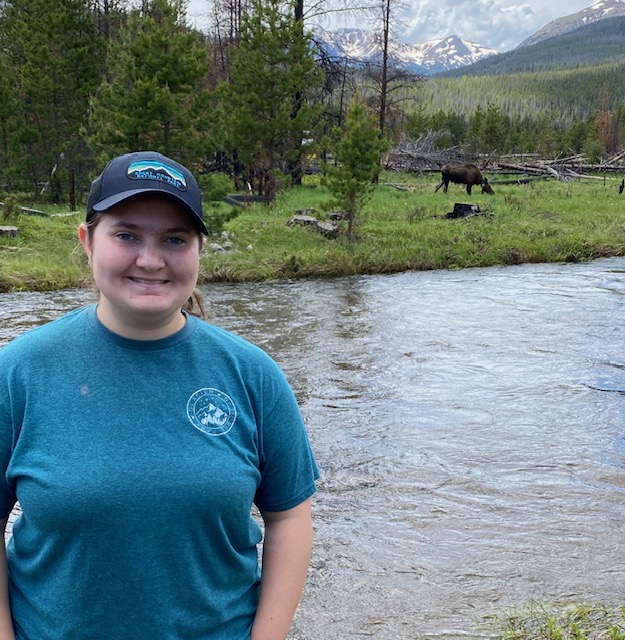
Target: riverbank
point(403, 228)
point(551, 622)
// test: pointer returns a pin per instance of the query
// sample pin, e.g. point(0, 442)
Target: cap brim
point(111, 201)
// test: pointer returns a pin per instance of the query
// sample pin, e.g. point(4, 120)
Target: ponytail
point(195, 305)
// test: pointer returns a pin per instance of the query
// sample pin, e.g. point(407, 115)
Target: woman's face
point(144, 253)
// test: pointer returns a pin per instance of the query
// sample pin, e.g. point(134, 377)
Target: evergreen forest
point(251, 102)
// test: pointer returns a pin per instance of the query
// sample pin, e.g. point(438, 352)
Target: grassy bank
point(402, 228)
point(568, 622)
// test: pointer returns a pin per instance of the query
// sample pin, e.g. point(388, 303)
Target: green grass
point(44, 255)
point(405, 230)
point(400, 229)
point(567, 622)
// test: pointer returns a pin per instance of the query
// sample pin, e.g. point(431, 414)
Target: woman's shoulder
point(225, 341)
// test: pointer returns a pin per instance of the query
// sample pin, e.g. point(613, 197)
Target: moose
point(463, 173)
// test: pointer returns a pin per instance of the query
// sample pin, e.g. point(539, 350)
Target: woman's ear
point(85, 239)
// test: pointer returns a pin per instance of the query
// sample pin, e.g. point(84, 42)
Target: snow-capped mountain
point(427, 58)
point(560, 26)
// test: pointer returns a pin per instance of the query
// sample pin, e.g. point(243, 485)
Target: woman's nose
point(150, 257)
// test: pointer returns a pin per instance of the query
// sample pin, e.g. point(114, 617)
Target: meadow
point(403, 227)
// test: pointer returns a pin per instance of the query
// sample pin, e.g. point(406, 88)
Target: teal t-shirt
point(136, 464)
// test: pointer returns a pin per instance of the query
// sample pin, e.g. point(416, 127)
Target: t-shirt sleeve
point(287, 463)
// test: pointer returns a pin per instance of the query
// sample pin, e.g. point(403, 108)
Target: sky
point(498, 24)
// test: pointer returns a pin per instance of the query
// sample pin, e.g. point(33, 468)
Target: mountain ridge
point(600, 42)
point(454, 55)
point(428, 58)
point(599, 11)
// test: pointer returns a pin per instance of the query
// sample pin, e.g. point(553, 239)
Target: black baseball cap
point(140, 172)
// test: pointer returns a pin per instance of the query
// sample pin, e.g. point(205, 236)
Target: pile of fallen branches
point(412, 155)
point(421, 155)
point(564, 169)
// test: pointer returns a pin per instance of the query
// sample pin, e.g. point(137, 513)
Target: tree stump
point(8, 231)
point(328, 229)
point(462, 210)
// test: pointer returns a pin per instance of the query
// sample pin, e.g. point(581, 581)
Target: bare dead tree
point(226, 21)
point(107, 16)
point(387, 80)
point(415, 155)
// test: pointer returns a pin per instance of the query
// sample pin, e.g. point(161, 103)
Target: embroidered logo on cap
point(211, 411)
point(155, 170)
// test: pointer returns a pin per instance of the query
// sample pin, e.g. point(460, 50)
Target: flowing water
point(469, 428)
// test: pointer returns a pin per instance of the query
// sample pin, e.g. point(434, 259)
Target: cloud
point(498, 24)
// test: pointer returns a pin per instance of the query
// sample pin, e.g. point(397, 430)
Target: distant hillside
point(598, 11)
point(562, 96)
point(592, 44)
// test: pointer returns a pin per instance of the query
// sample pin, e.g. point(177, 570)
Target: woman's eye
point(176, 240)
point(125, 237)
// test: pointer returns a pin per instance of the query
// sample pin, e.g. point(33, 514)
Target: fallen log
point(528, 180)
point(238, 200)
point(523, 168)
point(32, 212)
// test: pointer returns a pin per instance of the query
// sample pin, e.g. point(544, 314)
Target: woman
point(136, 438)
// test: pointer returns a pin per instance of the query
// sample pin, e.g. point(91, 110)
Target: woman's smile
point(146, 281)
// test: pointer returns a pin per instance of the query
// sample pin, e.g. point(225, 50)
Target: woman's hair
point(195, 305)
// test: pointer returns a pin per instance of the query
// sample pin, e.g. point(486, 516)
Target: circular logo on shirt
point(211, 411)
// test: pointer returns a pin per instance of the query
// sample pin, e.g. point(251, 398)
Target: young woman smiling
point(137, 437)
point(144, 255)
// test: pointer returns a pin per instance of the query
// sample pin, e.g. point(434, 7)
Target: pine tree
point(8, 108)
point(474, 134)
point(154, 95)
point(55, 59)
point(266, 107)
point(494, 130)
point(357, 153)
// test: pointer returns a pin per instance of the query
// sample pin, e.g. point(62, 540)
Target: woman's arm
point(6, 622)
point(286, 555)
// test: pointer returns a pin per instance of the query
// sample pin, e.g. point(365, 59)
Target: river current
point(469, 429)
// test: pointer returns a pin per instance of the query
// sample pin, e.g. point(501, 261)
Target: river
point(469, 428)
